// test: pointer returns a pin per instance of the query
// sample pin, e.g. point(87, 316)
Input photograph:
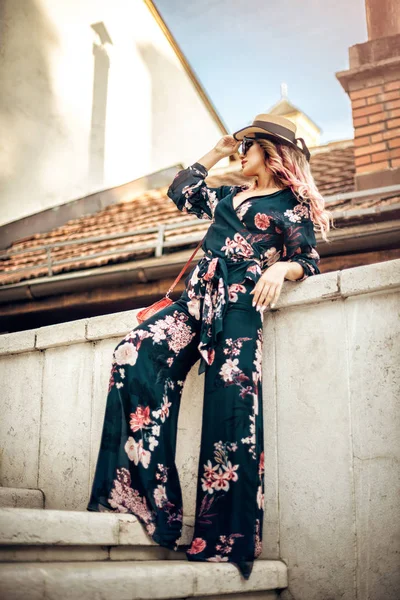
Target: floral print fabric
point(213, 321)
point(136, 471)
point(240, 244)
point(262, 229)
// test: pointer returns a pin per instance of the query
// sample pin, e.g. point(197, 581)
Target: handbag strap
point(185, 267)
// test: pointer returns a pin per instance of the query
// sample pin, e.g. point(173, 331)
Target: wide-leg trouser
point(136, 471)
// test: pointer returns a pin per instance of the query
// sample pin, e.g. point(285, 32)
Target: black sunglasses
point(246, 144)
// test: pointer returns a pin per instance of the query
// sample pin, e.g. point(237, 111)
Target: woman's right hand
point(227, 145)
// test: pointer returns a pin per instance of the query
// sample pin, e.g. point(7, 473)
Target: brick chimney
point(373, 84)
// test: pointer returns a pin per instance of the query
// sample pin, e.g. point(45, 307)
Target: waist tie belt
point(213, 275)
point(212, 272)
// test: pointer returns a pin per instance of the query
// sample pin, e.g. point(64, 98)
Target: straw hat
point(276, 128)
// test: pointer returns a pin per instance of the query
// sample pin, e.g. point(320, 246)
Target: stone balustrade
point(331, 417)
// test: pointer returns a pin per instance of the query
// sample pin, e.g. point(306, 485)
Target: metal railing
point(160, 243)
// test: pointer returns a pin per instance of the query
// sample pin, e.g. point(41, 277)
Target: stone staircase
point(82, 555)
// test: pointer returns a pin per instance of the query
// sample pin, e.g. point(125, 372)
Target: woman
point(261, 234)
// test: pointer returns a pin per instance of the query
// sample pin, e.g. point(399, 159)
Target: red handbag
point(151, 310)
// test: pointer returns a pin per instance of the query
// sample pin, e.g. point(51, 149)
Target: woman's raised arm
point(189, 191)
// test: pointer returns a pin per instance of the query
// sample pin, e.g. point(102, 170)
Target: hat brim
point(246, 131)
point(241, 133)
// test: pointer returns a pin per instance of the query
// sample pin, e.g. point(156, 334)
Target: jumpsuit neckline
point(213, 271)
point(251, 197)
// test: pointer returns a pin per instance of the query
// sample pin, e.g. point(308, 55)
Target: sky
point(242, 50)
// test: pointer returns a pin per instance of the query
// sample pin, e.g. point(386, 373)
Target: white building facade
point(94, 94)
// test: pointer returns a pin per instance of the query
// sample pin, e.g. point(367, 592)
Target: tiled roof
point(332, 167)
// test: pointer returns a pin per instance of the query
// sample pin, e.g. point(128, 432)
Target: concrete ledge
point(311, 290)
point(370, 278)
point(21, 498)
point(62, 334)
point(152, 580)
point(56, 554)
point(52, 553)
point(105, 326)
point(21, 341)
point(329, 286)
point(24, 526)
point(39, 554)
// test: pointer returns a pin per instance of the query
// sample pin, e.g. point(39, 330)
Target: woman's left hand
point(268, 287)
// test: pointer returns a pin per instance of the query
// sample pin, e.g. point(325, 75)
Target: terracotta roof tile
point(332, 166)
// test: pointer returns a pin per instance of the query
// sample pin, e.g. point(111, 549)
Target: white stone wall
point(331, 387)
point(71, 125)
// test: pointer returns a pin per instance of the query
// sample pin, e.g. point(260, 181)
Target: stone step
point(57, 554)
point(21, 498)
point(26, 526)
point(147, 580)
point(68, 535)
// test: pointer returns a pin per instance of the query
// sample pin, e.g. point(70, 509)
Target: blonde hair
point(290, 167)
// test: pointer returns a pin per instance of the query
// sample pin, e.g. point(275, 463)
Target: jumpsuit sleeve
point(299, 240)
point(192, 195)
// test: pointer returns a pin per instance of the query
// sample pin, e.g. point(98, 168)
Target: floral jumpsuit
point(214, 321)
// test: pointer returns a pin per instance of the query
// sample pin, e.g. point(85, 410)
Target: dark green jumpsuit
point(213, 320)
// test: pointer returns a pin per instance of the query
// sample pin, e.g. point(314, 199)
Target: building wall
point(331, 419)
point(373, 84)
point(305, 129)
point(92, 96)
